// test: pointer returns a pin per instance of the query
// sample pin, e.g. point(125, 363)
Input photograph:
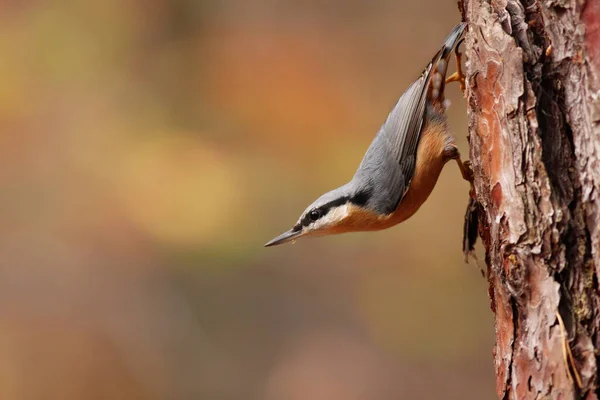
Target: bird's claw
point(458, 76)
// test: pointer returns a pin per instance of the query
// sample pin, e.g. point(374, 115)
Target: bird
point(401, 166)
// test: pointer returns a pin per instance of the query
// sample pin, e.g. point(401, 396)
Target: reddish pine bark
point(533, 89)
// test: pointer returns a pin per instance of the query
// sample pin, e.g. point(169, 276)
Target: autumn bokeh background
point(149, 148)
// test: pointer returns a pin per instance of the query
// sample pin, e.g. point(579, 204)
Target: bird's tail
point(452, 40)
point(440, 63)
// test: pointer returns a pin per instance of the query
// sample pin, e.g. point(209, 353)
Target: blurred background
point(148, 150)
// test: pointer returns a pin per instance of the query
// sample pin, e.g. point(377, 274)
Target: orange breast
point(429, 164)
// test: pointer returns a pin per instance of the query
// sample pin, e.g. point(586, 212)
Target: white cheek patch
point(333, 217)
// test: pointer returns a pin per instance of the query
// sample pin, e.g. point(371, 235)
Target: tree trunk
point(533, 89)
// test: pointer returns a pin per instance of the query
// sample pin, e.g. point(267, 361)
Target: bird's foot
point(458, 76)
point(466, 170)
point(451, 153)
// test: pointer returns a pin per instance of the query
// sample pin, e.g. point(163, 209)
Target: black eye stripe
point(311, 217)
point(314, 215)
point(359, 199)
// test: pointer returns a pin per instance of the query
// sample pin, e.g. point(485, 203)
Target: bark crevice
point(534, 151)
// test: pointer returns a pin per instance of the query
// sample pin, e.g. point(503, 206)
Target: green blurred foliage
point(148, 150)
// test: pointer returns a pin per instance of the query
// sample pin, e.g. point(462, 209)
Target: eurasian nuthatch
point(402, 165)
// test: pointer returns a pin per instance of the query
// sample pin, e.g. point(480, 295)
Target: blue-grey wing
point(389, 163)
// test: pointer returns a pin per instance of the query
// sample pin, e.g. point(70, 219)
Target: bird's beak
point(284, 238)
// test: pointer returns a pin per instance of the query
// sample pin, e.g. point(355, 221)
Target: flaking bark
point(533, 90)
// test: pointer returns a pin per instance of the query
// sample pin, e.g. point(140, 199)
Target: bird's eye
point(314, 215)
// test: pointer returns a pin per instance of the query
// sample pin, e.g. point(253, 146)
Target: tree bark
point(533, 90)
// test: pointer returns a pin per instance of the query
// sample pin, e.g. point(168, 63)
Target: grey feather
point(387, 168)
point(388, 165)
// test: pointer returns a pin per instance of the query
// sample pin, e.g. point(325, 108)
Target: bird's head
point(339, 211)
